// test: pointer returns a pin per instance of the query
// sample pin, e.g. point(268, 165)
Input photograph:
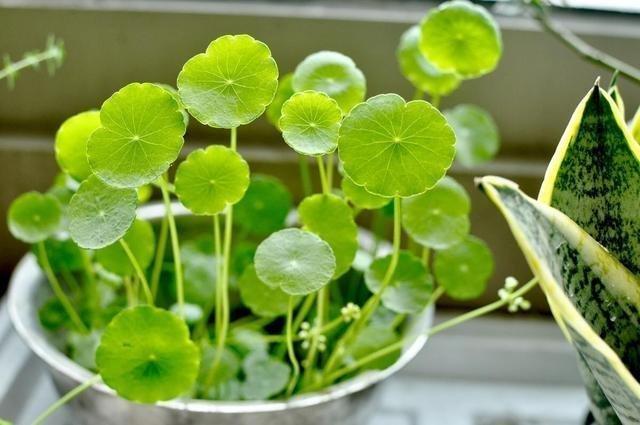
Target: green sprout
point(52, 56)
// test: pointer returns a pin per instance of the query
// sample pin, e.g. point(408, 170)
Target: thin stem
point(159, 257)
point(434, 330)
point(57, 289)
point(418, 94)
point(579, 46)
point(435, 296)
point(303, 311)
point(292, 354)
point(323, 175)
point(233, 142)
point(128, 288)
point(66, 398)
point(426, 256)
point(310, 360)
point(330, 169)
point(305, 175)
point(325, 329)
point(94, 295)
point(435, 100)
point(218, 253)
point(175, 245)
point(139, 272)
point(373, 302)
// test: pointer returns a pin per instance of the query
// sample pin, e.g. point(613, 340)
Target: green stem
point(426, 256)
point(434, 330)
point(92, 291)
point(175, 245)
point(435, 100)
point(57, 289)
point(53, 52)
point(218, 253)
point(66, 398)
point(159, 257)
point(292, 354)
point(418, 94)
point(139, 272)
point(323, 175)
point(305, 176)
point(128, 288)
point(325, 329)
point(303, 311)
point(330, 170)
point(310, 360)
point(373, 302)
point(435, 296)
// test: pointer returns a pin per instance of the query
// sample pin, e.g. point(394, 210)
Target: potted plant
point(215, 300)
point(580, 238)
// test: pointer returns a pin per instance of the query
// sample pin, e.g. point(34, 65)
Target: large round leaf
point(393, 148)
point(145, 354)
point(439, 217)
point(231, 83)
point(359, 196)
point(330, 217)
point(463, 269)
point(33, 217)
point(410, 286)
point(100, 214)
point(141, 136)
point(297, 261)
point(334, 74)
point(310, 122)
point(477, 138)
point(141, 241)
point(71, 143)
point(264, 207)
point(419, 71)
point(284, 92)
point(262, 300)
point(461, 37)
point(212, 178)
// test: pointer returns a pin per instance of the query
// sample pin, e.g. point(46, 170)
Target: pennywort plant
point(51, 56)
point(254, 305)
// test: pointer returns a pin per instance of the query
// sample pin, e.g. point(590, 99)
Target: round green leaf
point(71, 143)
point(410, 287)
point(176, 96)
point(141, 136)
point(145, 355)
point(33, 217)
point(419, 71)
point(210, 179)
point(463, 269)
point(393, 148)
point(261, 299)
point(359, 196)
point(100, 214)
point(284, 92)
point(334, 74)
point(373, 338)
point(439, 217)
point(228, 367)
point(199, 274)
point(264, 207)
point(310, 122)
point(265, 376)
point(329, 217)
point(297, 261)
point(231, 83)
point(477, 137)
point(62, 254)
point(141, 241)
point(461, 37)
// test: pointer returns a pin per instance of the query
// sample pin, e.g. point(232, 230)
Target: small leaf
point(231, 83)
point(410, 287)
point(141, 241)
point(99, 214)
point(359, 196)
point(228, 367)
point(264, 207)
point(464, 269)
point(334, 74)
point(53, 316)
point(141, 136)
point(310, 122)
point(394, 148)
point(210, 179)
point(62, 254)
point(266, 377)
point(419, 71)
point(33, 217)
point(199, 274)
point(477, 137)
point(191, 313)
point(245, 340)
point(82, 348)
point(176, 96)
point(439, 217)
point(146, 355)
point(616, 96)
point(634, 126)
point(261, 299)
point(284, 92)
point(329, 217)
point(461, 37)
point(296, 261)
point(71, 143)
